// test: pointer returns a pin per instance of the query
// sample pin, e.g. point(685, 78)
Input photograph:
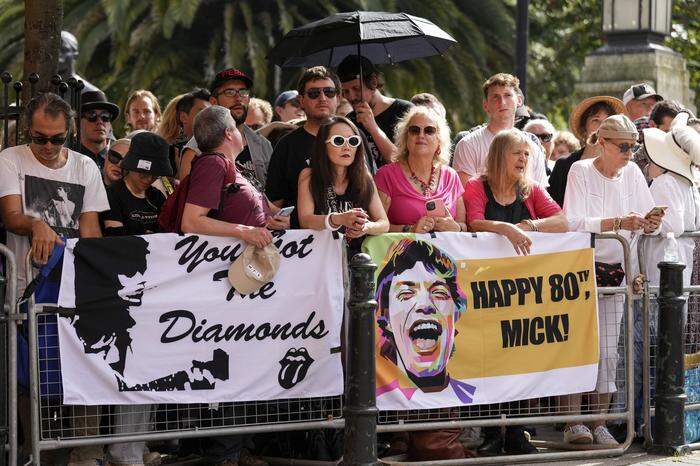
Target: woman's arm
point(379, 223)
point(518, 238)
point(556, 223)
point(305, 204)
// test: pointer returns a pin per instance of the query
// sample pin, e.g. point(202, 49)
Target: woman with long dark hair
point(337, 191)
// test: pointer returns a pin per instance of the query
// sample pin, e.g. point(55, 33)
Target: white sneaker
point(602, 436)
point(578, 434)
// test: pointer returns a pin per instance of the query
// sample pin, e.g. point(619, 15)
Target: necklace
point(426, 188)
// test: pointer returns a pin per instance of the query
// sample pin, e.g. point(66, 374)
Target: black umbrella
point(379, 36)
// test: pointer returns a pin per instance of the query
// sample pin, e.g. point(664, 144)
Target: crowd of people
point(338, 153)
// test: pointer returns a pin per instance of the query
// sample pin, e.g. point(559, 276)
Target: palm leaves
point(170, 46)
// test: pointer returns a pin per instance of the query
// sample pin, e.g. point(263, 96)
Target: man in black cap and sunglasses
point(96, 116)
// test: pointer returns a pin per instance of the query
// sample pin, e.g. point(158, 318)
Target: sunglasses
point(93, 117)
point(545, 137)
point(416, 130)
point(339, 141)
point(57, 140)
point(315, 92)
point(626, 147)
point(114, 157)
point(234, 92)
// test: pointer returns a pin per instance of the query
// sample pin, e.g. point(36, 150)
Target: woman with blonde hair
point(420, 192)
point(142, 111)
point(170, 128)
point(505, 200)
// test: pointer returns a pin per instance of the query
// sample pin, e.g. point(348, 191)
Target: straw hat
point(677, 150)
point(575, 122)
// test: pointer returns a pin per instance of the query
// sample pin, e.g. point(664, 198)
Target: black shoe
point(492, 446)
point(517, 444)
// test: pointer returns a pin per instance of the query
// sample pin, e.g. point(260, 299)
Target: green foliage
point(171, 46)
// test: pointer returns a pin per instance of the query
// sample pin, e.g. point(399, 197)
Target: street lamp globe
point(635, 23)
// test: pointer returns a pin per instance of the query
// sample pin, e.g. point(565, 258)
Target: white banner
point(157, 321)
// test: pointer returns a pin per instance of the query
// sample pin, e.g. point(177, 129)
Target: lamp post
point(522, 33)
point(637, 24)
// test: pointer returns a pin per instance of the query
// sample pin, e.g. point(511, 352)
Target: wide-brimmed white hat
point(677, 150)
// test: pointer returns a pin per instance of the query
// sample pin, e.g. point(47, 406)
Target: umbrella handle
point(359, 59)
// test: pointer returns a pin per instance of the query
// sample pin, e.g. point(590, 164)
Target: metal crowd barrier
point(9, 317)
point(649, 312)
point(531, 413)
point(55, 426)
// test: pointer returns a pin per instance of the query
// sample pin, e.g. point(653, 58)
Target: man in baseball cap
point(639, 99)
point(287, 106)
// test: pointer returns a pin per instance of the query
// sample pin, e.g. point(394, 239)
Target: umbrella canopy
point(379, 36)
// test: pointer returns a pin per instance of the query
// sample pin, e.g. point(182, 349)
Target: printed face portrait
point(421, 318)
point(419, 305)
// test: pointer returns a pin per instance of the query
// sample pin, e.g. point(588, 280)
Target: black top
point(139, 216)
point(513, 213)
point(291, 155)
point(387, 122)
point(98, 158)
point(244, 165)
point(559, 176)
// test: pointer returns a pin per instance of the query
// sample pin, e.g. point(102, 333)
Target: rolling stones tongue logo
point(295, 364)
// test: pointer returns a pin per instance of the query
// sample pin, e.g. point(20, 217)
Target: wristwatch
point(406, 228)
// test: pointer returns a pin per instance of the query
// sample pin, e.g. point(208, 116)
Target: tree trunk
point(43, 20)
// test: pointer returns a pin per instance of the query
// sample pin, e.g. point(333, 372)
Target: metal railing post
point(360, 397)
point(11, 327)
point(669, 436)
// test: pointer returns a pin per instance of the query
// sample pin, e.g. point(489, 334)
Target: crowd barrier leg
point(360, 447)
point(34, 412)
point(669, 436)
point(10, 315)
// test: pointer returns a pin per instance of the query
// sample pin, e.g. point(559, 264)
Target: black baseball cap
point(349, 68)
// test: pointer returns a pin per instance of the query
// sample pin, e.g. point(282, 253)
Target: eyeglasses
point(315, 92)
point(93, 117)
point(339, 141)
point(545, 137)
point(416, 130)
point(244, 92)
point(57, 140)
point(114, 157)
point(626, 147)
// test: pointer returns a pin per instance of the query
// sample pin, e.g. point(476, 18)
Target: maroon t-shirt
point(244, 206)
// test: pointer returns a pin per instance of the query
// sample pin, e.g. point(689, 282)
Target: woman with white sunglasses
point(419, 191)
point(337, 191)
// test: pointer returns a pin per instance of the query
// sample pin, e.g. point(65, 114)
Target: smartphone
point(435, 208)
point(285, 211)
point(657, 210)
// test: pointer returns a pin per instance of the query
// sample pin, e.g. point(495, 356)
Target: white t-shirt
point(591, 197)
point(472, 150)
point(58, 196)
point(683, 214)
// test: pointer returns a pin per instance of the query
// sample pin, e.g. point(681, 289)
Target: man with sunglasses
point(47, 190)
point(545, 132)
point(374, 113)
point(231, 89)
point(501, 101)
point(318, 89)
point(96, 116)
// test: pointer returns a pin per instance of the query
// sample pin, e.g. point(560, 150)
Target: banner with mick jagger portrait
point(461, 319)
point(157, 321)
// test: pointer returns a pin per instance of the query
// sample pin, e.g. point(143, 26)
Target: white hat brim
point(664, 152)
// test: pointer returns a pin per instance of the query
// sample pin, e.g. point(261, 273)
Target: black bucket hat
point(97, 100)
point(148, 153)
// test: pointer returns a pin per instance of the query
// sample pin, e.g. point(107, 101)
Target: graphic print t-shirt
point(56, 196)
point(138, 215)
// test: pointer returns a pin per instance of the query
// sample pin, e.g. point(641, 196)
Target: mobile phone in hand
point(435, 208)
point(285, 211)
